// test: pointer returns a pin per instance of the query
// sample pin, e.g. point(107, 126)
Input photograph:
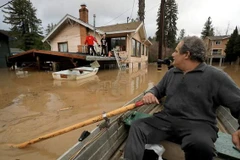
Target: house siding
point(211, 45)
point(69, 34)
point(137, 62)
point(221, 46)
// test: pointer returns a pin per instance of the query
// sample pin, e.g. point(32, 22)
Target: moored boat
point(77, 73)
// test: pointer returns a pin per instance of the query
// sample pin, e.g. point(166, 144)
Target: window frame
point(62, 43)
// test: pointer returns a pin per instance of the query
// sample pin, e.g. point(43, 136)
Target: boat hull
point(107, 143)
point(75, 74)
point(107, 140)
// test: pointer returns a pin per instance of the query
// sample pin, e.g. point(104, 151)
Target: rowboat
point(75, 73)
point(91, 79)
point(107, 140)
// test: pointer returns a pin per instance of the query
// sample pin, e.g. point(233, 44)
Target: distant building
point(216, 46)
point(4, 48)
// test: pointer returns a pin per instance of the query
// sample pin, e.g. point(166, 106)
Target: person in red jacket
point(90, 42)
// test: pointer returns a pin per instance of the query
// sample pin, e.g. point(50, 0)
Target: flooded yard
point(33, 104)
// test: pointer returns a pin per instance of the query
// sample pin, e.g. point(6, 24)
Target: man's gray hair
point(195, 46)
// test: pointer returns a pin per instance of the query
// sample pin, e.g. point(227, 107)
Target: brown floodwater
point(32, 104)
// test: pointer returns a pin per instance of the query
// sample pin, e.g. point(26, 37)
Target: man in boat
point(90, 43)
point(193, 90)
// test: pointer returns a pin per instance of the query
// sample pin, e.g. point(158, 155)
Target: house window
point(143, 49)
point(119, 43)
point(136, 48)
point(63, 47)
point(218, 42)
point(216, 51)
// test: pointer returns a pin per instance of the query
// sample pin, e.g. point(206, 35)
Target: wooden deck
point(68, 59)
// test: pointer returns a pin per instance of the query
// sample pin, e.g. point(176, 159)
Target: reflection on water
point(35, 105)
point(21, 74)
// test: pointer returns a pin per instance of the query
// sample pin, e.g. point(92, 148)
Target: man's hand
point(150, 98)
point(236, 138)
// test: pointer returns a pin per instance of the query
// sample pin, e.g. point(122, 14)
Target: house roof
point(6, 33)
point(62, 22)
point(120, 28)
point(214, 38)
point(132, 27)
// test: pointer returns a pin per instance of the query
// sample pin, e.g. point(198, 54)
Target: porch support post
point(38, 62)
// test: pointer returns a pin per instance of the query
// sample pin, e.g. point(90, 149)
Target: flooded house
point(127, 42)
point(216, 46)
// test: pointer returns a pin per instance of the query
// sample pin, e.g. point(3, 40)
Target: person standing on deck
point(193, 90)
point(104, 45)
point(90, 42)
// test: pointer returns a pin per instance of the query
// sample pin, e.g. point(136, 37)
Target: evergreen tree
point(236, 48)
point(50, 27)
point(170, 23)
point(230, 55)
point(181, 35)
point(141, 10)
point(207, 29)
point(25, 26)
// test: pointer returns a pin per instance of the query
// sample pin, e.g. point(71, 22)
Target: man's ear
point(187, 54)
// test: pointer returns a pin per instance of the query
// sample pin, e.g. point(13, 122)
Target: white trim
point(140, 25)
point(123, 31)
point(66, 17)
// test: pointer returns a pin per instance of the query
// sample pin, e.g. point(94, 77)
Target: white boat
point(75, 73)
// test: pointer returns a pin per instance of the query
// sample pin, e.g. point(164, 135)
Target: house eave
point(117, 32)
point(67, 16)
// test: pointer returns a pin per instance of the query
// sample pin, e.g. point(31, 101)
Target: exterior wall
point(4, 50)
point(137, 62)
point(83, 35)
point(222, 45)
point(69, 34)
point(211, 45)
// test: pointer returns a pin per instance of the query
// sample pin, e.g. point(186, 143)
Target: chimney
point(83, 13)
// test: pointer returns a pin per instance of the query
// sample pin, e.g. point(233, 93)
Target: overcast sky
point(192, 14)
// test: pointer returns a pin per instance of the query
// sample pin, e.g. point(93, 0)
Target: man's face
point(178, 58)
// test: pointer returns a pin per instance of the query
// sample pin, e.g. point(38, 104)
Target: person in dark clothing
point(104, 46)
point(193, 91)
point(90, 42)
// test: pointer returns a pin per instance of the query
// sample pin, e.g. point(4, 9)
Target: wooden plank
point(228, 121)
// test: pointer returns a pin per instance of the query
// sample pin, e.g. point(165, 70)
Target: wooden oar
point(79, 125)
